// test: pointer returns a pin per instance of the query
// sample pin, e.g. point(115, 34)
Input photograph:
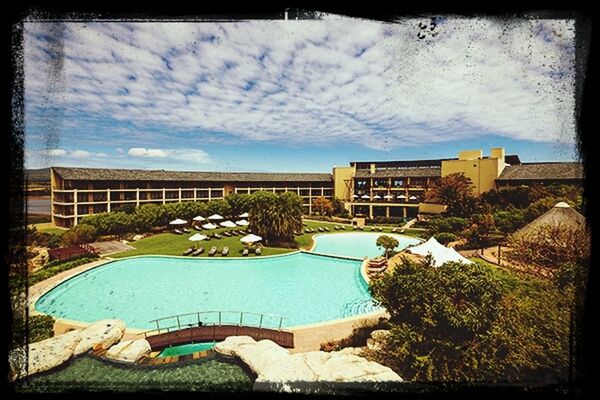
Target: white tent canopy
point(178, 222)
point(209, 226)
point(215, 216)
point(244, 215)
point(241, 222)
point(228, 224)
point(197, 237)
point(251, 238)
point(440, 253)
point(199, 218)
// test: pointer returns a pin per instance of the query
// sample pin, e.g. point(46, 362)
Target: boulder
point(129, 351)
point(373, 344)
point(103, 333)
point(231, 343)
point(357, 351)
point(46, 354)
point(380, 334)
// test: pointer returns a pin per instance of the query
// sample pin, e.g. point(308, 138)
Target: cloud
point(334, 81)
point(80, 154)
point(101, 155)
point(192, 155)
point(56, 152)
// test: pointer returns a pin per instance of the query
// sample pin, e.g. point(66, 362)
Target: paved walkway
point(113, 246)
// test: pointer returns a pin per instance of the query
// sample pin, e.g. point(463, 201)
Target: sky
point(295, 96)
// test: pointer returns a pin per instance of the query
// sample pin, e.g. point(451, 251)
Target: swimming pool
point(357, 244)
point(305, 288)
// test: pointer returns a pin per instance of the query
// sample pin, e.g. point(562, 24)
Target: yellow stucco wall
point(340, 175)
point(482, 171)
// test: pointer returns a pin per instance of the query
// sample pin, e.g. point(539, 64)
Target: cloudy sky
point(295, 95)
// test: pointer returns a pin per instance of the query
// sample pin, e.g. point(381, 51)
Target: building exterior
point(367, 188)
point(78, 192)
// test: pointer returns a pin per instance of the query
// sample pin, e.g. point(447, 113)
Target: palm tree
point(276, 217)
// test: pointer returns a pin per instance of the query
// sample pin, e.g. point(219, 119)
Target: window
point(398, 182)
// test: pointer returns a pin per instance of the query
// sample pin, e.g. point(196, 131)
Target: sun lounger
point(189, 251)
point(380, 229)
point(245, 252)
point(402, 230)
point(394, 230)
point(186, 230)
point(380, 269)
point(217, 236)
point(336, 228)
point(257, 251)
point(227, 234)
point(225, 251)
point(326, 228)
point(199, 251)
point(354, 227)
point(213, 251)
point(177, 232)
point(361, 228)
point(320, 229)
point(342, 228)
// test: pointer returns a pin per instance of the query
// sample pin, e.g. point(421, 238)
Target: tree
point(388, 243)
point(456, 192)
point(238, 203)
point(276, 217)
point(79, 234)
point(339, 209)
point(439, 318)
point(478, 235)
point(323, 205)
point(218, 206)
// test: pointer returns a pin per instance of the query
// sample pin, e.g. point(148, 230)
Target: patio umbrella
point(241, 222)
point(377, 196)
point(197, 237)
point(228, 224)
point(402, 196)
point(355, 196)
point(388, 196)
point(209, 226)
point(215, 217)
point(199, 218)
point(244, 215)
point(412, 198)
point(251, 238)
point(178, 222)
point(365, 196)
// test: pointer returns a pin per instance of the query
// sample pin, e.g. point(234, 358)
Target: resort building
point(369, 188)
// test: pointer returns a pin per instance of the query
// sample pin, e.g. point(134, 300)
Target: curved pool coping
point(314, 240)
point(41, 288)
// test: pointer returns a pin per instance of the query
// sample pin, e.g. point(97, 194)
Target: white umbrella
point(402, 196)
point(242, 222)
point(228, 224)
point(215, 216)
point(365, 196)
point(178, 222)
point(388, 196)
point(199, 218)
point(377, 196)
point(197, 237)
point(412, 198)
point(209, 226)
point(251, 238)
point(355, 196)
point(244, 215)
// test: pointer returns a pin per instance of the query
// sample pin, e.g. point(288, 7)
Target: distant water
point(38, 205)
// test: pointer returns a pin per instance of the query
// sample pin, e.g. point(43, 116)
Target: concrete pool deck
point(306, 337)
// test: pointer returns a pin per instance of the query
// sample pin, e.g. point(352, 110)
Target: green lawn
point(511, 281)
point(172, 244)
point(49, 228)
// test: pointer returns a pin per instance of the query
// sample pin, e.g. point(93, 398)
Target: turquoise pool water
point(304, 288)
point(184, 349)
point(357, 244)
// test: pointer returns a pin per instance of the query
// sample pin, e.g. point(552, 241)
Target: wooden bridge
point(210, 326)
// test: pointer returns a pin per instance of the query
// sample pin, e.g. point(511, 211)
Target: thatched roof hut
point(560, 214)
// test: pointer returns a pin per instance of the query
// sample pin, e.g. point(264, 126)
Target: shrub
point(358, 337)
point(79, 234)
point(40, 327)
point(446, 237)
point(55, 267)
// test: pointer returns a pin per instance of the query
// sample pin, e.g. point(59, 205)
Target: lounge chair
point(199, 251)
point(326, 228)
point(320, 229)
point(225, 251)
point(336, 228)
point(189, 251)
point(245, 252)
point(186, 230)
point(198, 227)
point(380, 229)
point(177, 232)
point(394, 230)
point(213, 251)
point(257, 251)
point(379, 269)
point(342, 228)
point(227, 234)
point(217, 236)
point(354, 227)
point(402, 230)
point(361, 228)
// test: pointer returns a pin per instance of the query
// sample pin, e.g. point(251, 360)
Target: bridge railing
point(215, 318)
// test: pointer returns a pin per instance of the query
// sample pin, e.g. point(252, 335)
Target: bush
point(56, 267)
point(446, 237)
point(358, 337)
point(79, 234)
point(40, 327)
point(386, 220)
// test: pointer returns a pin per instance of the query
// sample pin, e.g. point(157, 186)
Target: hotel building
point(374, 189)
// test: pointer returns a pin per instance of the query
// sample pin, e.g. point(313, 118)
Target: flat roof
point(109, 174)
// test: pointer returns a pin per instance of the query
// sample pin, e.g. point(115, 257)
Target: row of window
point(395, 183)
